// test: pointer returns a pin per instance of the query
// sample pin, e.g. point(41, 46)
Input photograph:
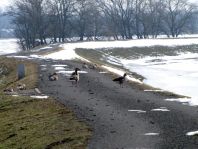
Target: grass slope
point(35, 123)
point(9, 77)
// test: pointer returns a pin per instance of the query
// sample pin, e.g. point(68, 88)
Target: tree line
point(38, 20)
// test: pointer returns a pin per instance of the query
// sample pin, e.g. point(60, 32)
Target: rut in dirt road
point(121, 118)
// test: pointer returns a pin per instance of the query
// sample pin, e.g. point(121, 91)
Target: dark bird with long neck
point(120, 80)
point(75, 76)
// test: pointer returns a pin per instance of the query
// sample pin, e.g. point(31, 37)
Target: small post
point(21, 71)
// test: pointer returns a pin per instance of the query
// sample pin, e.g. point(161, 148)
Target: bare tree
point(29, 21)
point(121, 16)
point(176, 15)
point(60, 12)
point(82, 17)
point(36, 20)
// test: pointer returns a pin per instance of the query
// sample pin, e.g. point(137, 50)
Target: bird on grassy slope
point(75, 76)
point(120, 80)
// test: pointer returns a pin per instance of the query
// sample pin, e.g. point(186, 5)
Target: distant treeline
point(36, 20)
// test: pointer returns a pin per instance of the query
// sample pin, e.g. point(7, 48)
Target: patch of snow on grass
point(44, 48)
point(113, 60)
point(40, 97)
point(192, 133)
point(36, 56)
point(69, 49)
point(22, 57)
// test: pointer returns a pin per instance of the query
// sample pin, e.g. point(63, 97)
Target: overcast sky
point(4, 3)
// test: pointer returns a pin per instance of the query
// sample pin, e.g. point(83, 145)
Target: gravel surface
point(112, 113)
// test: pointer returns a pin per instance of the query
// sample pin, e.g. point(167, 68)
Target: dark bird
point(75, 76)
point(53, 77)
point(120, 80)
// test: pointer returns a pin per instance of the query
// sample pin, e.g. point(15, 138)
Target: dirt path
point(105, 107)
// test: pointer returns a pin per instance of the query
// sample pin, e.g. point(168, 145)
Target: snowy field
point(69, 52)
point(8, 46)
point(173, 69)
point(177, 74)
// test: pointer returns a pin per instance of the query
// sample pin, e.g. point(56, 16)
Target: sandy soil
point(105, 106)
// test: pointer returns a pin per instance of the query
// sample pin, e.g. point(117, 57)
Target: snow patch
point(67, 54)
point(184, 101)
point(59, 68)
point(40, 97)
point(43, 65)
point(70, 72)
point(138, 111)
point(22, 57)
point(178, 75)
point(59, 65)
point(192, 133)
point(69, 49)
point(162, 109)
point(154, 90)
point(8, 46)
point(151, 134)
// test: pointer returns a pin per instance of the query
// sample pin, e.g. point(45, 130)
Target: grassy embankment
point(33, 123)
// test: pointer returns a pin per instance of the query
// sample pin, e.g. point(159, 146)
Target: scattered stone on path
point(37, 91)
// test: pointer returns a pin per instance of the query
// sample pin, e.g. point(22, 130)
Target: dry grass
point(11, 80)
point(35, 123)
point(55, 49)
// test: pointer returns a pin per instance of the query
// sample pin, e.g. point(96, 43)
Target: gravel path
point(111, 111)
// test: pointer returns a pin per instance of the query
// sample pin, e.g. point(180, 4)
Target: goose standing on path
point(120, 80)
point(75, 76)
